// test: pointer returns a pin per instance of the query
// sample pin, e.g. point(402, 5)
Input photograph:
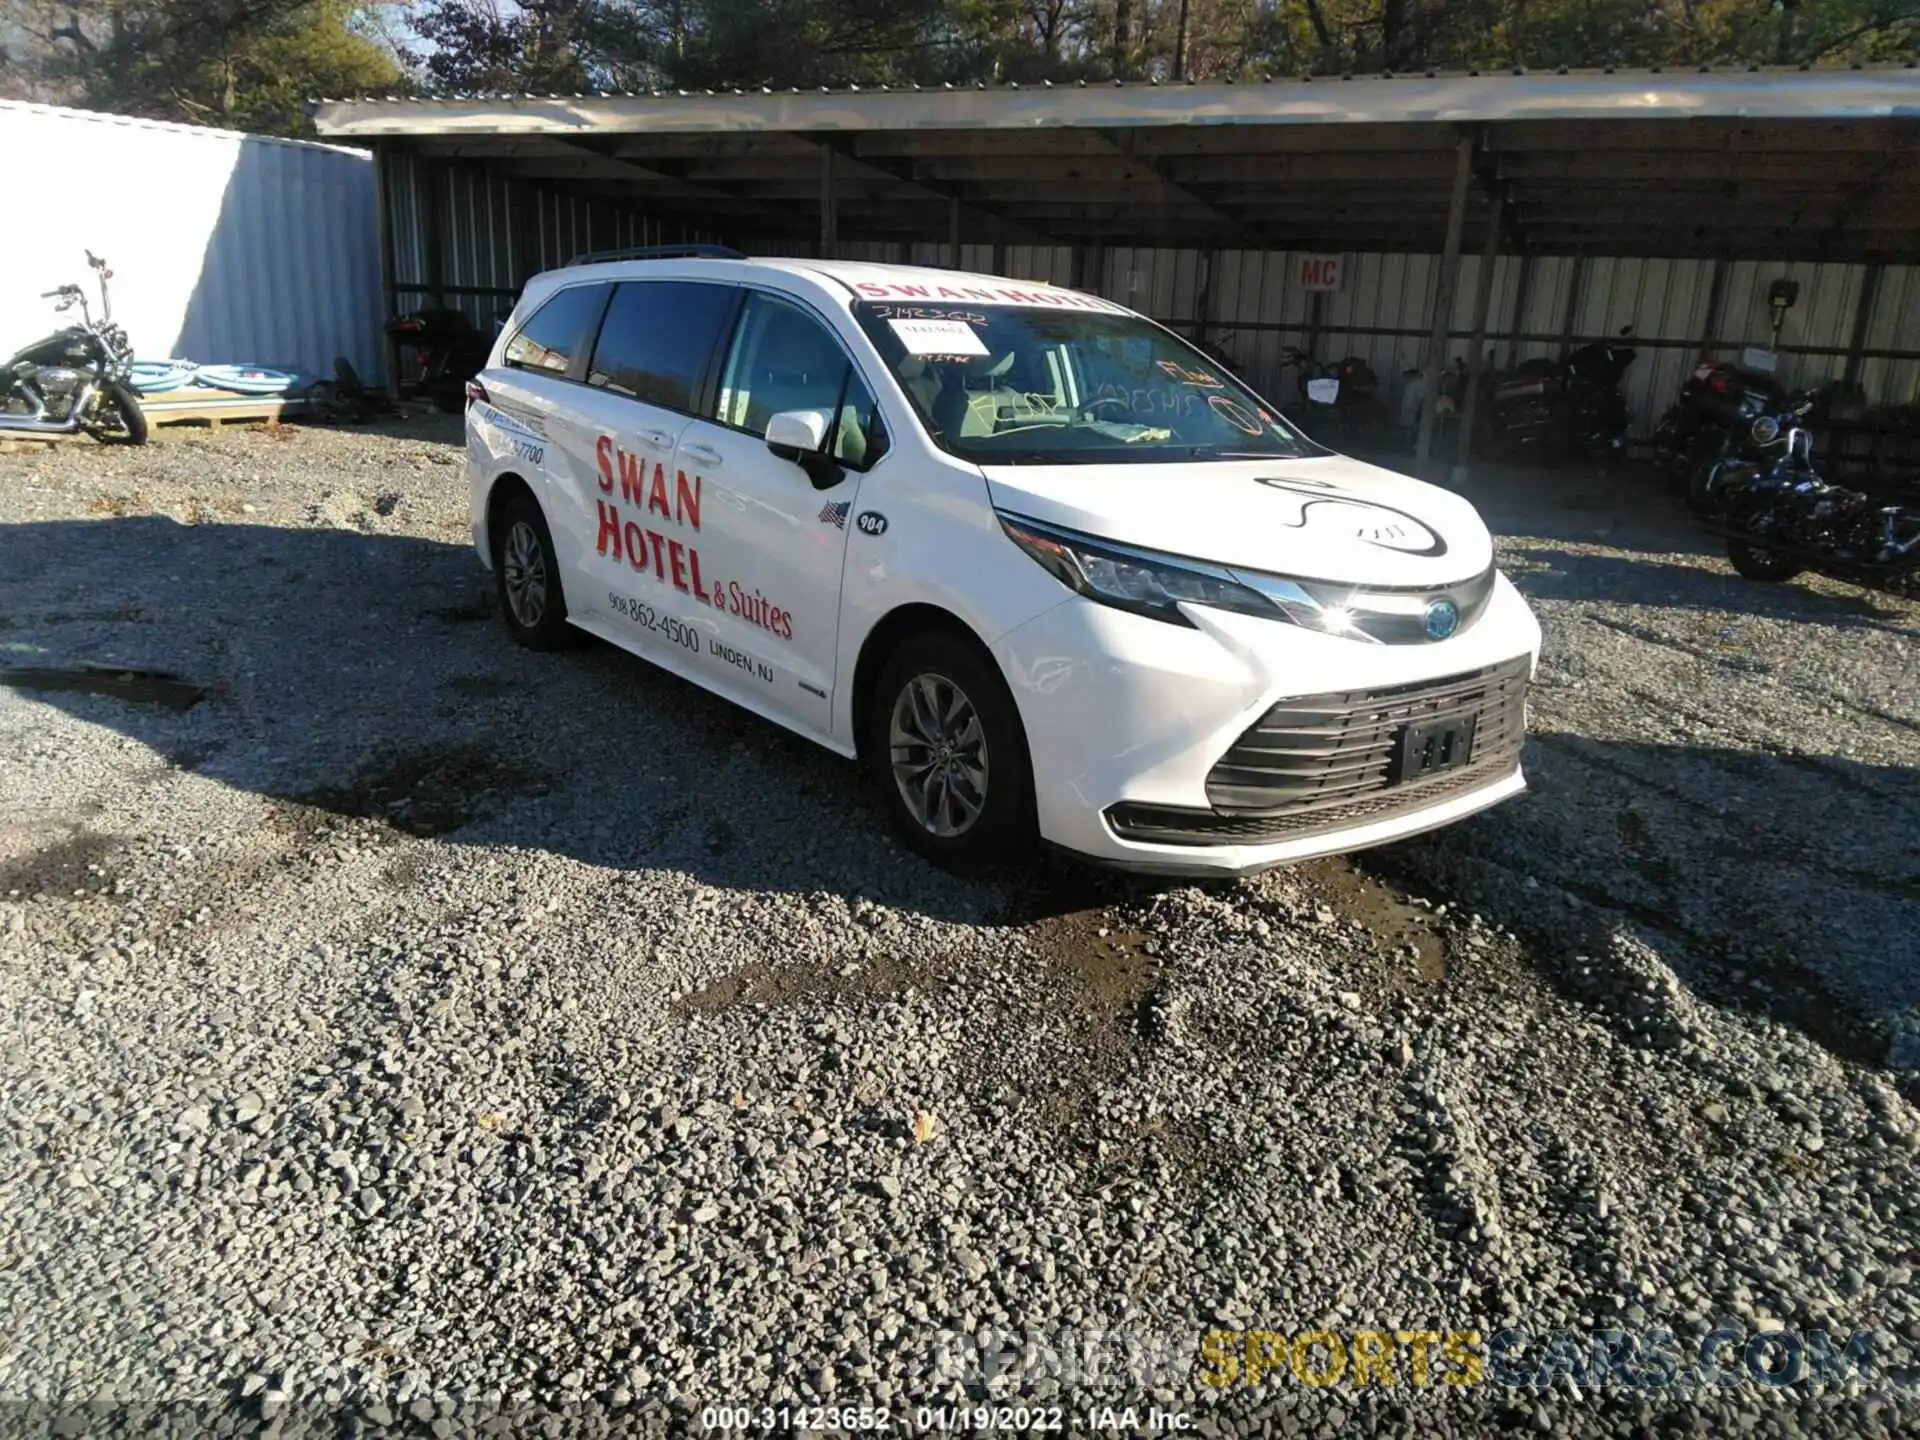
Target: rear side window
point(554, 335)
point(657, 338)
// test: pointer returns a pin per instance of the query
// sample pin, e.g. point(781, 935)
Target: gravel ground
point(406, 1028)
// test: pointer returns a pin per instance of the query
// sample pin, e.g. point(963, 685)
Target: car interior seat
point(919, 381)
point(984, 403)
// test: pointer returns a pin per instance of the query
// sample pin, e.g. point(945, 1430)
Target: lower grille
point(1325, 762)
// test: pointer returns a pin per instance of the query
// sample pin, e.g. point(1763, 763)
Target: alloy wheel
point(524, 567)
point(939, 755)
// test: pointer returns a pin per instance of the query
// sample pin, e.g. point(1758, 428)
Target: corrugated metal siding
point(225, 248)
point(1895, 325)
point(495, 232)
point(499, 231)
point(1255, 308)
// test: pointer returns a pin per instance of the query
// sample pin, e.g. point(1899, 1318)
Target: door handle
point(705, 454)
point(658, 439)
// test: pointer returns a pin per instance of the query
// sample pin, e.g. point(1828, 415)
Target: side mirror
point(801, 436)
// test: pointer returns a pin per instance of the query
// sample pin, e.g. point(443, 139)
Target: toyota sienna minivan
point(1042, 566)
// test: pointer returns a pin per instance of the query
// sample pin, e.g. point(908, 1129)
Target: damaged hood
point(1325, 518)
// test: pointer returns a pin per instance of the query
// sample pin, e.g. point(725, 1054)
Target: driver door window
point(783, 359)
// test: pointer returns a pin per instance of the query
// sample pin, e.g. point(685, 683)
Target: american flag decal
point(835, 515)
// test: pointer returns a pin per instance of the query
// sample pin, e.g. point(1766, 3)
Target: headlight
point(1149, 583)
point(1136, 580)
point(1766, 430)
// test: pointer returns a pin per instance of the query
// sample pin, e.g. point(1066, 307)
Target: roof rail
point(659, 252)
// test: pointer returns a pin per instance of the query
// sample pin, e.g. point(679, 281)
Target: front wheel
point(1756, 562)
point(114, 417)
point(949, 755)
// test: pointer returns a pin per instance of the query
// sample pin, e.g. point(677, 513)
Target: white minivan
point(1038, 562)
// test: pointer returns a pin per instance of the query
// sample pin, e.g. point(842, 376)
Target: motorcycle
point(448, 351)
point(1756, 440)
point(1718, 399)
point(1338, 401)
point(76, 379)
point(1562, 409)
point(1779, 518)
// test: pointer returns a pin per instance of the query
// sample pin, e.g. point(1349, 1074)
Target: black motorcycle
point(75, 379)
point(1779, 517)
point(1339, 401)
point(1741, 444)
point(449, 350)
point(1719, 400)
point(1561, 410)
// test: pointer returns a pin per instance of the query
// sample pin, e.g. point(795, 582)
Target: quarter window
point(551, 339)
point(784, 359)
point(656, 339)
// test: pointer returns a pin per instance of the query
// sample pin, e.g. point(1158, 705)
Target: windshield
point(1043, 385)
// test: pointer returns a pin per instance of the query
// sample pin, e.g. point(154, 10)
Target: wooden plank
point(829, 203)
point(912, 194)
point(1284, 168)
point(182, 407)
point(911, 144)
point(1668, 135)
point(1110, 169)
point(389, 299)
point(1476, 347)
point(1314, 139)
point(1668, 167)
point(1447, 277)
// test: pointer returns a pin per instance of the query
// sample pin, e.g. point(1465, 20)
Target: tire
point(526, 577)
point(938, 687)
point(1758, 563)
point(128, 425)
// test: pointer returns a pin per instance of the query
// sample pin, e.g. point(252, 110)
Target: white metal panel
point(1052, 263)
point(225, 248)
point(1894, 325)
point(1822, 315)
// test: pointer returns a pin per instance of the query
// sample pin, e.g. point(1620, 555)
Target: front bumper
point(1138, 730)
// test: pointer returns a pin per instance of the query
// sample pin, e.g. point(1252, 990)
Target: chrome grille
point(1325, 762)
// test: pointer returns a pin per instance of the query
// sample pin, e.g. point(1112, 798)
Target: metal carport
point(1819, 168)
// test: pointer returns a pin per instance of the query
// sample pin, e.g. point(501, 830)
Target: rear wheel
point(949, 755)
point(1758, 563)
point(526, 573)
point(115, 418)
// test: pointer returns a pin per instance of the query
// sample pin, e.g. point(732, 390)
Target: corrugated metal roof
point(1470, 97)
point(1814, 164)
point(137, 122)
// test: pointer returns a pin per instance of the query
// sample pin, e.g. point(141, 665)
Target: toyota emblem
point(1442, 616)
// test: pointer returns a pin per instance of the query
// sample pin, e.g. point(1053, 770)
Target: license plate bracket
point(1429, 747)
